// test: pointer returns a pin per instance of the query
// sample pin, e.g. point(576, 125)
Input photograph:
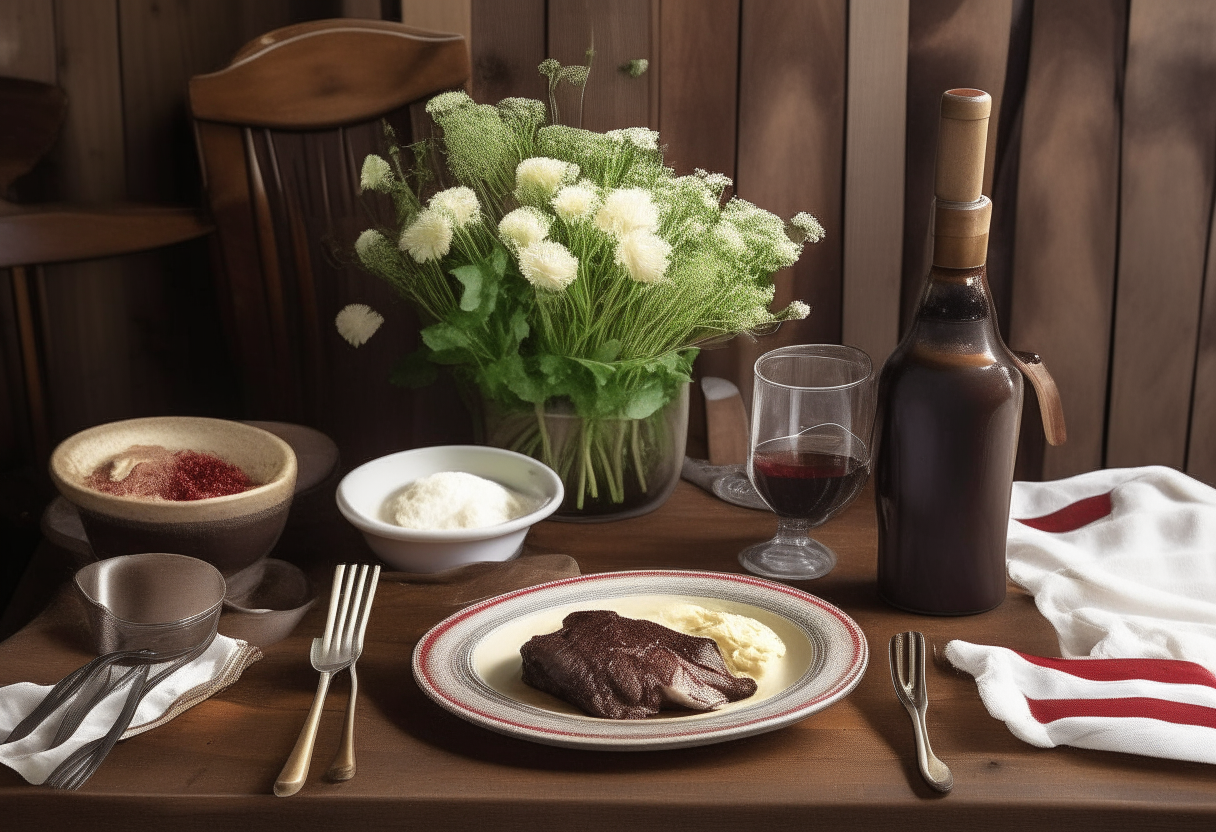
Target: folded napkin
point(217, 668)
point(1122, 562)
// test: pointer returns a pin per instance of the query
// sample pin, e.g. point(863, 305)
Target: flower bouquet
point(569, 276)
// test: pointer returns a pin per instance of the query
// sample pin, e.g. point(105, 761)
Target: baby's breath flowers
point(548, 265)
point(428, 237)
point(357, 322)
point(576, 202)
point(625, 210)
point(643, 254)
point(459, 204)
point(377, 175)
point(538, 178)
point(523, 227)
point(555, 264)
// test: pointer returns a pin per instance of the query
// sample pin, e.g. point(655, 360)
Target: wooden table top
point(850, 766)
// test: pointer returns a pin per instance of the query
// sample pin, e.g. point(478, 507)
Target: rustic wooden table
point(851, 766)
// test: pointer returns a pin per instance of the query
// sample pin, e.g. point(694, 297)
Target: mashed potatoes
point(747, 645)
point(456, 500)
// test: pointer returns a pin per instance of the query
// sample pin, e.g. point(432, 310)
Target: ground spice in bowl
point(153, 472)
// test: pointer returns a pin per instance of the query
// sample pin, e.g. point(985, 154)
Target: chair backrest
point(282, 132)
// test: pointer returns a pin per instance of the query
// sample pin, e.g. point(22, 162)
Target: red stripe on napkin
point(1179, 713)
point(1170, 671)
point(1072, 516)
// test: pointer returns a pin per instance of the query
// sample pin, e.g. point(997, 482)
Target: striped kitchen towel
point(1156, 707)
point(1122, 562)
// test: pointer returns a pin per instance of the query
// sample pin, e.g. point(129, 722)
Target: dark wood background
point(1101, 164)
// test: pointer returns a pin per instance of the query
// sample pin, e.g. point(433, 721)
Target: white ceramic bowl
point(363, 493)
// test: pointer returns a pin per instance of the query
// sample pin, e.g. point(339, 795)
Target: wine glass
point(812, 416)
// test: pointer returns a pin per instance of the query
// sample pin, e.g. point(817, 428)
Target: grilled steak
point(626, 668)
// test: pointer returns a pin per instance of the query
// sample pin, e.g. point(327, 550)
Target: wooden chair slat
point(308, 79)
point(62, 233)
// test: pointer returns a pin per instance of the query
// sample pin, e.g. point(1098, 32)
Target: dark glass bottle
point(949, 405)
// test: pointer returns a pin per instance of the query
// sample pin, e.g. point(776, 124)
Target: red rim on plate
point(444, 665)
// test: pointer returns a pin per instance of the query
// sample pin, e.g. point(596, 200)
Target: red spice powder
point(179, 476)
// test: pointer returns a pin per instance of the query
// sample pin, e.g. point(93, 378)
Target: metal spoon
point(907, 654)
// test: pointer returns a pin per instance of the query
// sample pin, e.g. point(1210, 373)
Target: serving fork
point(350, 603)
point(907, 654)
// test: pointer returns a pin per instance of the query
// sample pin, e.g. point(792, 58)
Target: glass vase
point(612, 468)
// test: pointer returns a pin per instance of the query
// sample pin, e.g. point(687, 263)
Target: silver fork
point(335, 650)
point(907, 654)
point(343, 766)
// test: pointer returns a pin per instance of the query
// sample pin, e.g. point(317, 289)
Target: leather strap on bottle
point(1050, 406)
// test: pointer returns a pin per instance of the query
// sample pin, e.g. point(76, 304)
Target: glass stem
point(791, 530)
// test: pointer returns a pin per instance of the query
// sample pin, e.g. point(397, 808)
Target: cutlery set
point(338, 648)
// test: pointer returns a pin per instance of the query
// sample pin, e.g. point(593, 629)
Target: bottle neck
point(956, 295)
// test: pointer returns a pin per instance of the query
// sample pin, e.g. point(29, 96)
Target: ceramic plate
point(470, 664)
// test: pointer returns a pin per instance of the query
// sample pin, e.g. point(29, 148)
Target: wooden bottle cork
point(962, 214)
point(961, 140)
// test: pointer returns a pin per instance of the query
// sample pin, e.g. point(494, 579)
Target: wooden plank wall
point(1102, 156)
point(134, 335)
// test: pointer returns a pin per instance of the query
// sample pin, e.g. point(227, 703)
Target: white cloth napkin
point(1122, 562)
point(217, 668)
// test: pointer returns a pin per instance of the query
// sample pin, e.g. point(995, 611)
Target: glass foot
point(788, 560)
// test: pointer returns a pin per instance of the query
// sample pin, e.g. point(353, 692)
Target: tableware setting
point(469, 664)
point(907, 659)
point(266, 597)
point(812, 414)
point(365, 494)
point(231, 531)
point(337, 649)
point(587, 421)
point(153, 619)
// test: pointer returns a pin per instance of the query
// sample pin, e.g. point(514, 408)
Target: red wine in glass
point(799, 478)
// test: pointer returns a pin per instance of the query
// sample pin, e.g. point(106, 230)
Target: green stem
point(592, 486)
point(546, 444)
point(615, 494)
point(637, 456)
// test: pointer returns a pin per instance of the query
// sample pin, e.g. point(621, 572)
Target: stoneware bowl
point(151, 601)
point(229, 532)
point(365, 491)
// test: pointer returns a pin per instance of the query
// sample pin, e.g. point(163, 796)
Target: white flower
point(786, 252)
point(730, 239)
point(375, 252)
point(358, 322)
point(576, 202)
point(640, 137)
point(459, 203)
point(644, 255)
point(377, 175)
point(627, 209)
point(808, 225)
point(367, 240)
point(717, 182)
point(523, 227)
point(428, 237)
point(797, 311)
point(538, 178)
point(548, 265)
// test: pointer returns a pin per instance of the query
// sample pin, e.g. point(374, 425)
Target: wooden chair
point(31, 236)
point(282, 132)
